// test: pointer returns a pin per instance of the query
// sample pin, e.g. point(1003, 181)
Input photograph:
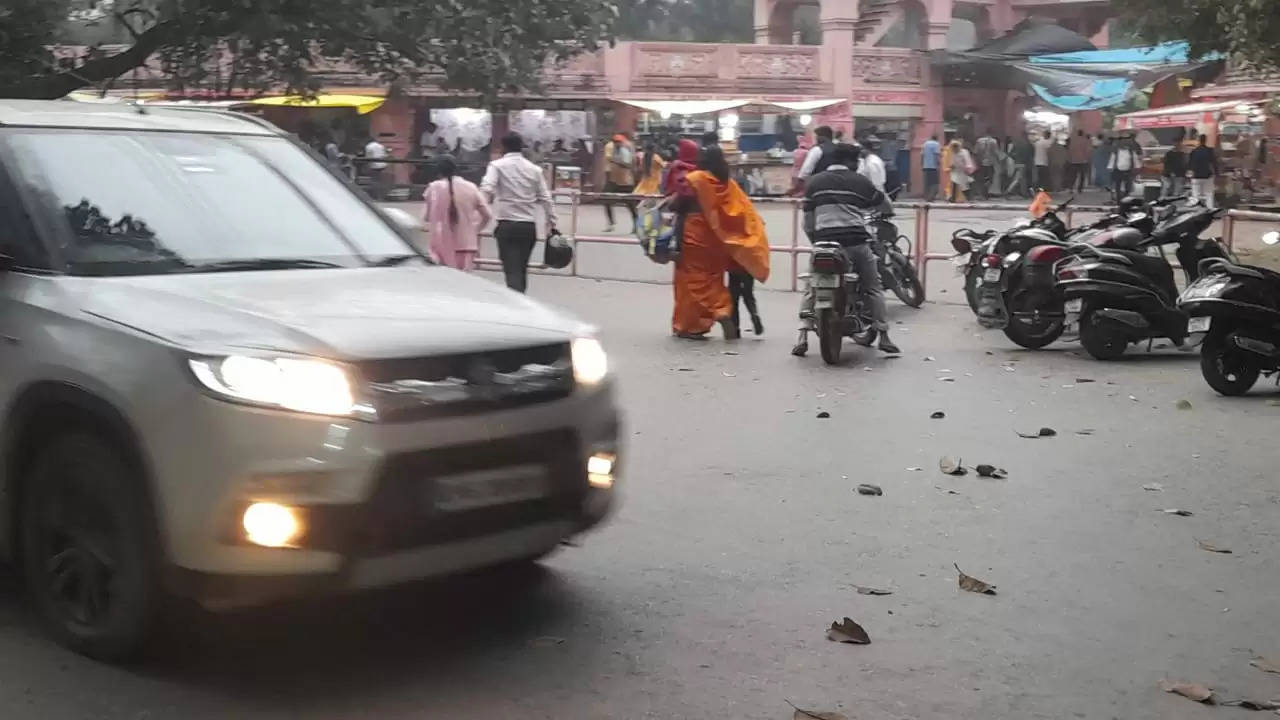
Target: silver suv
point(225, 375)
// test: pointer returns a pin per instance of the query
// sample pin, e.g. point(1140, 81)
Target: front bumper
point(368, 493)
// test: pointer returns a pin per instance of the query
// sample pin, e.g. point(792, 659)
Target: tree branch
point(58, 84)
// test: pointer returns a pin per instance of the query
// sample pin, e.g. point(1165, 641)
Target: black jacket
point(828, 149)
point(837, 203)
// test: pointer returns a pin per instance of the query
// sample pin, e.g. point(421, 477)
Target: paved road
point(742, 538)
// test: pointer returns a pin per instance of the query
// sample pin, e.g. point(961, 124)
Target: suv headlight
point(590, 363)
point(309, 386)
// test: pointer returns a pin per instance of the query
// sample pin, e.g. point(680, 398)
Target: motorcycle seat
point(1157, 269)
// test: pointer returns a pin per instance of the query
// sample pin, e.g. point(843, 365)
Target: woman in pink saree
point(455, 212)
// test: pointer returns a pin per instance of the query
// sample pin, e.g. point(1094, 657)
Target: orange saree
point(728, 231)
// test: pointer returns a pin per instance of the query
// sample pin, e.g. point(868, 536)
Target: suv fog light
point(600, 470)
point(271, 524)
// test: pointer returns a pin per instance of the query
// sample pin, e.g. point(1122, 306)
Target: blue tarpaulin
point(1105, 78)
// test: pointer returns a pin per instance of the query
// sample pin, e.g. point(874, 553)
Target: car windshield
point(129, 203)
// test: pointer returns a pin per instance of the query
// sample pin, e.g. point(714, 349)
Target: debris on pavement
point(729, 352)
point(974, 585)
point(1085, 431)
point(684, 369)
point(546, 641)
point(1042, 432)
point(1192, 691)
point(1265, 665)
point(824, 415)
point(1081, 381)
point(947, 379)
point(1176, 511)
point(1252, 704)
point(863, 590)
point(1183, 405)
point(1153, 487)
point(1133, 398)
point(728, 374)
point(915, 469)
point(939, 415)
point(869, 489)
point(928, 358)
point(948, 491)
point(848, 631)
point(948, 466)
point(802, 714)
point(991, 471)
point(1212, 548)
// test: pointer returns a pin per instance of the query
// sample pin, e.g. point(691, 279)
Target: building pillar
point(931, 121)
point(763, 19)
point(837, 19)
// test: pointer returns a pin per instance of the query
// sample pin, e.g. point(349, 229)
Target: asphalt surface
point(741, 538)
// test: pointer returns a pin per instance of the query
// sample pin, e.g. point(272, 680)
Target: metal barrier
point(920, 249)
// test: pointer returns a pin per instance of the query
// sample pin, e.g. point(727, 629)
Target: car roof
point(114, 116)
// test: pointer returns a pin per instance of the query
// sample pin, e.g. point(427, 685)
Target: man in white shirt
point(872, 167)
point(377, 171)
point(516, 188)
point(1042, 148)
point(1124, 162)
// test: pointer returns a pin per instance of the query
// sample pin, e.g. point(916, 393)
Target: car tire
point(1101, 342)
point(1228, 369)
point(89, 548)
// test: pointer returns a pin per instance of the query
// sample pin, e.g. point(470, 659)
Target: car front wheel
point(88, 551)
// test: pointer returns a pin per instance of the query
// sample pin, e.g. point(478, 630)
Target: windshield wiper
point(394, 260)
point(264, 264)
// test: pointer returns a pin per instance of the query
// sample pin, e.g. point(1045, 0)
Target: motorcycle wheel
point(1027, 334)
point(972, 285)
point(1101, 342)
point(907, 287)
point(830, 335)
point(1228, 369)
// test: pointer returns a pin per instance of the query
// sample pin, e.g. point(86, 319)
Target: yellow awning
point(364, 104)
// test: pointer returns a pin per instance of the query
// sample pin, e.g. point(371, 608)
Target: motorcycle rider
point(836, 204)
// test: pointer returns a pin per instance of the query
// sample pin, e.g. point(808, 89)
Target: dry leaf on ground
point(950, 466)
point(848, 631)
point(973, 584)
point(1253, 704)
point(868, 489)
point(938, 415)
point(1080, 381)
point(1176, 511)
point(862, 590)
point(1085, 431)
point(1153, 487)
point(802, 714)
point(1042, 432)
point(1265, 665)
point(1192, 691)
point(1212, 548)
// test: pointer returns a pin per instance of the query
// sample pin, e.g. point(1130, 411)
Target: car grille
point(402, 512)
point(418, 388)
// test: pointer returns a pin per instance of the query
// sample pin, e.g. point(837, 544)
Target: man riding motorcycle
point(837, 202)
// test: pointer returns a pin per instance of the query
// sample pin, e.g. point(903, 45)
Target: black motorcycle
point(1120, 295)
point(1237, 310)
point(971, 247)
point(893, 253)
point(839, 310)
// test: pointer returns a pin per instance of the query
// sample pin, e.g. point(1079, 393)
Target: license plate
point(992, 275)
point(1075, 305)
point(1199, 324)
point(825, 281)
point(486, 488)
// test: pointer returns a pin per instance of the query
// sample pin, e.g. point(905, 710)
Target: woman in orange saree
point(724, 229)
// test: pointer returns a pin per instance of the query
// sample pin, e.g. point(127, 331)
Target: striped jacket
point(836, 205)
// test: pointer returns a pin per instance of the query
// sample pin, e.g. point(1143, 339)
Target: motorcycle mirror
point(1271, 238)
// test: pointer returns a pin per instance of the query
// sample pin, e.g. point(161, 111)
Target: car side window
point(17, 235)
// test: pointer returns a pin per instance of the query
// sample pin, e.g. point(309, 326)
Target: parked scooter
point(1237, 310)
point(1120, 295)
point(839, 310)
point(1018, 292)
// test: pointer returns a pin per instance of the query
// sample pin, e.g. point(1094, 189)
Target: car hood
point(344, 314)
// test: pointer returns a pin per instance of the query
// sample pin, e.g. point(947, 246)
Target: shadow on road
point(348, 648)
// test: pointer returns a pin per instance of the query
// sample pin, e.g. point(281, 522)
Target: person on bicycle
point(837, 202)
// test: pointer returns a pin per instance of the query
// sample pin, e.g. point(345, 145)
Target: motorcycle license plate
point(1199, 324)
point(1074, 305)
point(824, 281)
point(992, 275)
